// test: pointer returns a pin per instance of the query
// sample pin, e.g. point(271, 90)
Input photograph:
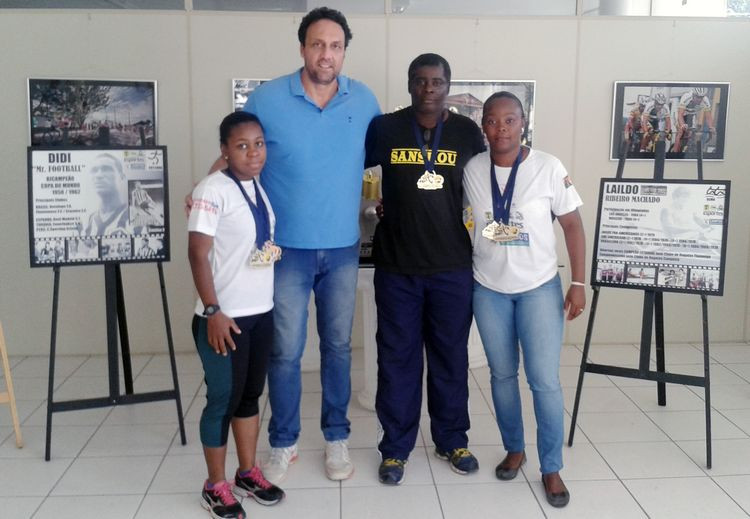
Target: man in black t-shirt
point(423, 276)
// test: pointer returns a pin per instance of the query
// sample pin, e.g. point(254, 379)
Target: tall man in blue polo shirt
point(315, 121)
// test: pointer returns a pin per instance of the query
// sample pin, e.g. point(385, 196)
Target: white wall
point(676, 50)
point(98, 44)
point(193, 56)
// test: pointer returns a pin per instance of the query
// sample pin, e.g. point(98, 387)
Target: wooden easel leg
point(10, 395)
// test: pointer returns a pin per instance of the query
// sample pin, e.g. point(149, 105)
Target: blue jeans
point(535, 318)
point(332, 275)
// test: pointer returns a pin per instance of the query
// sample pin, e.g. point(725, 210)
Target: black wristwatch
point(210, 310)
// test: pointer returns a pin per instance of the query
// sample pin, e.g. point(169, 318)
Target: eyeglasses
point(423, 82)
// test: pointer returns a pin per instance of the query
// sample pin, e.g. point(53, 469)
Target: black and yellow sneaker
point(252, 483)
point(461, 460)
point(391, 471)
point(220, 502)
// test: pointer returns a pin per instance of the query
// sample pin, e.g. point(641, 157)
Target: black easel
point(653, 317)
point(116, 322)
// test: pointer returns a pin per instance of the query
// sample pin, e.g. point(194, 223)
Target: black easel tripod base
point(116, 321)
point(652, 309)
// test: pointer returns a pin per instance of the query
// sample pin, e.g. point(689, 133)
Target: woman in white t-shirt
point(231, 253)
point(516, 193)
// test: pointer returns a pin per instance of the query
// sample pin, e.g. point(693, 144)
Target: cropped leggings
point(235, 382)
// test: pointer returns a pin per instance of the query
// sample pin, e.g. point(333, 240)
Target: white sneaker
point(338, 463)
point(278, 462)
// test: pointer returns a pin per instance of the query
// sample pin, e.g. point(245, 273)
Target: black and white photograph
point(467, 97)
point(116, 247)
point(83, 249)
point(146, 206)
point(688, 117)
point(92, 112)
point(49, 251)
point(672, 276)
point(661, 230)
point(640, 274)
point(241, 89)
point(111, 194)
point(149, 247)
point(705, 280)
point(608, 272)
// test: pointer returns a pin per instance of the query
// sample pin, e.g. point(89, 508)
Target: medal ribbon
point(429, 163)
point(501, 202)
point(259, 210)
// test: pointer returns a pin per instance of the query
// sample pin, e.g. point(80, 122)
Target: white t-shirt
point(542, 188)
point(220, 210)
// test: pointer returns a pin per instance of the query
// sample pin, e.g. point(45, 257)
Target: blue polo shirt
point(315, 160)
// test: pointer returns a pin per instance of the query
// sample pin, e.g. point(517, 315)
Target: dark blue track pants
point(435, 311)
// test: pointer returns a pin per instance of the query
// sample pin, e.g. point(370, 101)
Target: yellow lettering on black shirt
point(414, 156)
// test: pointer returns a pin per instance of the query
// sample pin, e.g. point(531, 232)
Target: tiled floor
point(631, 458)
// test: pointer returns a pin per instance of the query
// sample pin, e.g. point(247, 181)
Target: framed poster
point(97, 205)
point(467, 97)
point(91, 112)
point(686, 115)
point(666, 235)
point(241, 89)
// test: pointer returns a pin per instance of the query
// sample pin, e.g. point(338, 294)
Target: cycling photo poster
point(668, 235)
point(688, 116)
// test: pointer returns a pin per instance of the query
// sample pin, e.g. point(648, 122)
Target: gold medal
point(268, 255)
point(500, 233)
point(430, 181)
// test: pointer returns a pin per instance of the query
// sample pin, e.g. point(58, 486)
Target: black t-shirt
point(422, 231)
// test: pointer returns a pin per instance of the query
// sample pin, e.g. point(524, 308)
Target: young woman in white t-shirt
point(515, 194)
point(231, 252)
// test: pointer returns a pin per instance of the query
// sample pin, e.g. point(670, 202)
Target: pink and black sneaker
point(220, 502)
point(252, 483)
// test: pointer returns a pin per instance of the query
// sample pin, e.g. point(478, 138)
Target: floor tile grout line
point(620, 480)
point(432, 472)
point(747, 380)
point(648, 417)
point(614, 471)
point(58, 386)
point(44, 499)
point(434, 483)
point(76, 457)
point(728, 495)
point(731, 421)
point(96, 430)
point(536, 498)
point(153, 477)
point(712, 478)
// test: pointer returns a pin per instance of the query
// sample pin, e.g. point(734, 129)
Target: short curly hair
point(324, 13)
point(429, 60)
